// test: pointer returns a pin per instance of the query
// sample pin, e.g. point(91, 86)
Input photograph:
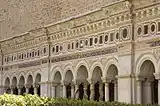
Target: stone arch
point(22, 74)
point(82, 73)
point(55, 70)
point(96, 64)
point(5, 77)
point(27, 75)
point(147, 84)
point(38, 78)
point(37, 84)
point(68, 79)
point(37, 72)
point(68, 76)
point(112, 61)
point(14, 88)
point(66, 69)
point(29, 84)
point(143, 58)
point(80, 64)
point(111, 73)
point(7, 82)
point(57, 78)
point(14, 81)
point(7, 85)
point(21, 84)
point(29, 79)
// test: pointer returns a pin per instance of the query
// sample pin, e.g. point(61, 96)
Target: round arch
point(79, 65)
point(66, 69)
point(142, 59)
point(112, 61)
point(96, 64)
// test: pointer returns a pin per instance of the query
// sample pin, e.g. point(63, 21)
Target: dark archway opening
point(88, 91)
point(23, 90)
point(111, 91)
point(96, 90)
point(68, 90)
point(15, 91)
point(81, 91)
point(31, 90)
point(39, 90)
point(155, 91)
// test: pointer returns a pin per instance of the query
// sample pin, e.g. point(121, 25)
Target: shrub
point(35, 100)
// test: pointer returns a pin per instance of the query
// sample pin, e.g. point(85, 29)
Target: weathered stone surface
point(19, 16)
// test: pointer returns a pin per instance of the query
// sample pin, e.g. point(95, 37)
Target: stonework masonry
point(94, 49)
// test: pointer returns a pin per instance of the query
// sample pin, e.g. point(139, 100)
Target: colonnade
point(104, 91)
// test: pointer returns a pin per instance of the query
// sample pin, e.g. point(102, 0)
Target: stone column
point(72, 91)
point(85, 96)
point(54, 90)
point(27, 88)
point(12, 89)
point(35, 90)
point(148, 92)
point(106, 91)
point(64, 89)
point(76, 94)
point(19, 91)
point(92, 91)
point(115, 91)
point(101, 91)
point(139, 91)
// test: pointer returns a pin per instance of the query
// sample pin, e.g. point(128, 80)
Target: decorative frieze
point(85, 55)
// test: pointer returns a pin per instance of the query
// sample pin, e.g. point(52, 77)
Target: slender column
point(72, 91)
point(19, 91)
point(27, 88)
point(85, 91)
point(64, 91)
point(106, 91)
point(139, 92)
point(92, 91)
point(35, 90)
point(12, 90)
point(115, 91)
point(149, 93)
point(53, 90)
point(76, 94)
point(101, 91)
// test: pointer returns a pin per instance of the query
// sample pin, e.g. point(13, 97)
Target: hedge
point(35, 100)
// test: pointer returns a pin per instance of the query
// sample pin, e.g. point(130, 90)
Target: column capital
point(28, 85)
point(36, 85)
point(13, 86)
point(157, 76)
point(20, 86)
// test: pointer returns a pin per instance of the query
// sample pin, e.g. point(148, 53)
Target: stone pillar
point(19, 91)
point(35, 90)
point(72, 91)
point(54, 90)
point(115, 91)
point(92, 91)
point(106, 91)
point(148, 92)
point(12, 89)
point(64, 90)
point(27, 88)
point(101, 91)
point(76, 94)
point(139, 91)
point(85, 96)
